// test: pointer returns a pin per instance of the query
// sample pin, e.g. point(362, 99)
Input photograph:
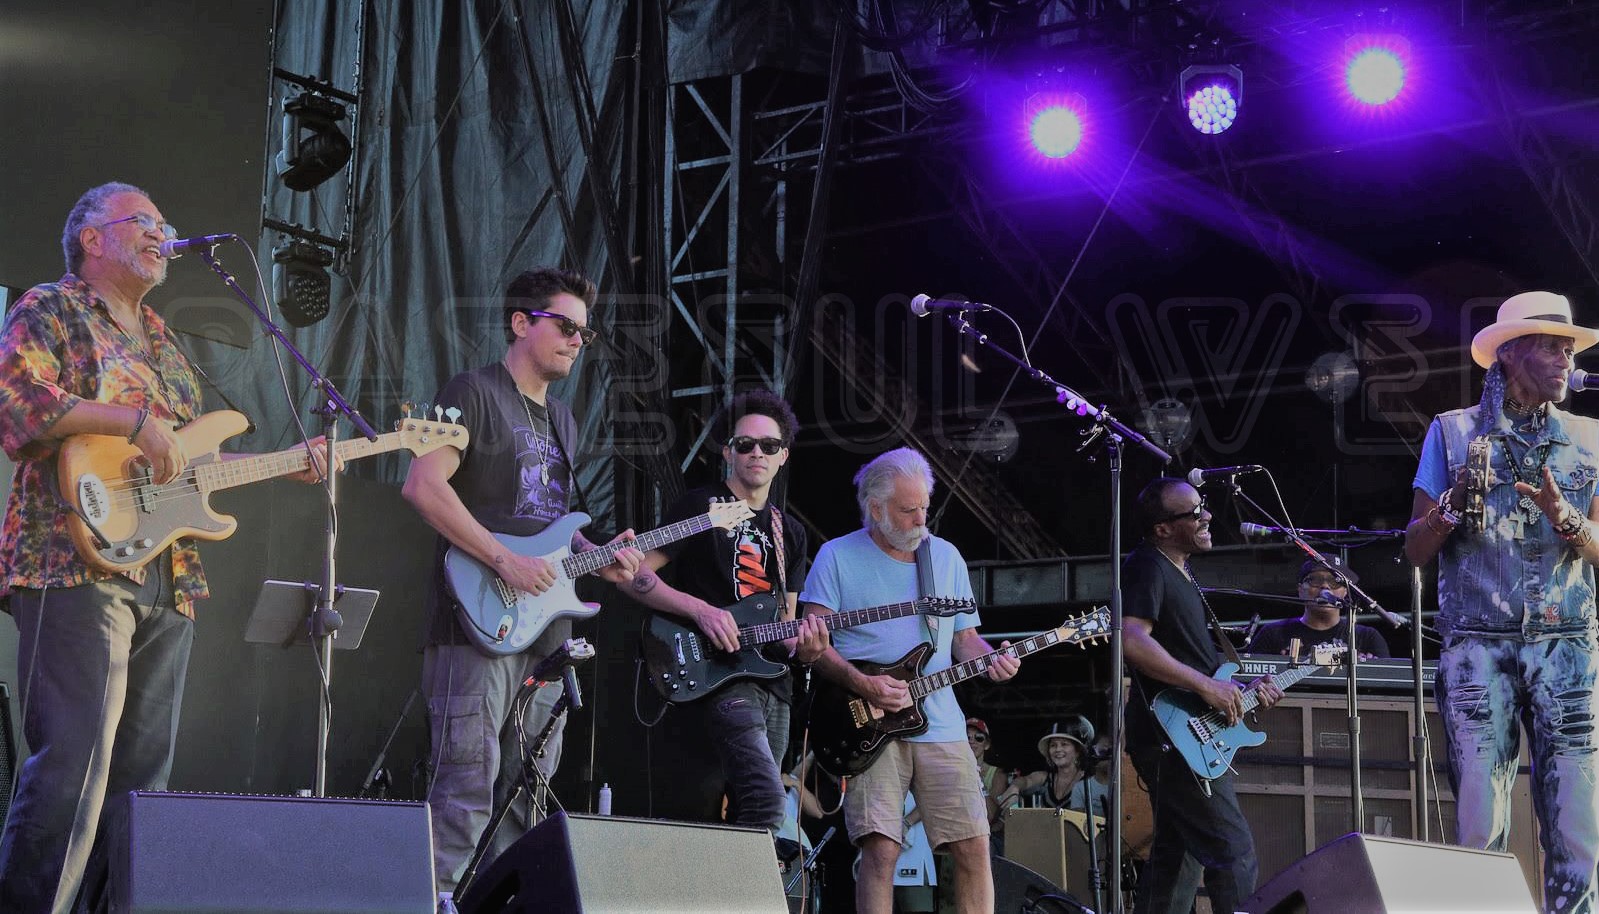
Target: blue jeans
point(1196, 837)
point(102, 668)
point(1486, 687)
point(748, 728)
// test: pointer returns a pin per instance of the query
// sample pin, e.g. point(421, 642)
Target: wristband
point(1448, 514)
point(1447, 527)
point(138, 425)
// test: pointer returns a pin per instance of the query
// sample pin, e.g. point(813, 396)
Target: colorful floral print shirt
point(59, 346)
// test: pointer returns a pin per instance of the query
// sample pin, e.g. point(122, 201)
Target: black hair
point(764, 403)
point(533, 289)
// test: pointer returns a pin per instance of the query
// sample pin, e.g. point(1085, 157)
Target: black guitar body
point(683, 664)
point(849, 733)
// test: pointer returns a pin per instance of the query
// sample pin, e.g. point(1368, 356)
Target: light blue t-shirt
point(852, 572)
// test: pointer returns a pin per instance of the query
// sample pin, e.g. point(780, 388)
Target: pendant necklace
point(1528, 507)
point(533, 429)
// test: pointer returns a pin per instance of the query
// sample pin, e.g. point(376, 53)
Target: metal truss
point(704, 186)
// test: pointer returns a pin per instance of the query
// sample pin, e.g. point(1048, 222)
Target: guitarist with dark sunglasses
point(746, 721)
point(516, 477)
point(1200, 831)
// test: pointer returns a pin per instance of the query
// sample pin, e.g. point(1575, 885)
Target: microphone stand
point(570, 698)
point(1357, 806)
point(1421, 749)
point(325, 620)
point(1114, 433)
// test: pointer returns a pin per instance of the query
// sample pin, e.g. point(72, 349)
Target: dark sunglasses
point(976, 738)
point(566, 325)
point(1193, 513)
point(743, 444)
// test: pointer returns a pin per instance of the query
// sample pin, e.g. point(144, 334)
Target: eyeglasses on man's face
point(975, 737)
point(146, 223)
point(566, 325)
point(1194, 513)
point(743, 444)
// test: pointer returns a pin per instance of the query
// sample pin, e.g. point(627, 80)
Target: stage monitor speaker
point(1393, 876)
point(589, 864)
point(8, 754)
point(1019, 890)
point(183, 853)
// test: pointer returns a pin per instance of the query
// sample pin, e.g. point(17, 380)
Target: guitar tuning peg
point(438, 413)
point(453, 414)
point(405, 408)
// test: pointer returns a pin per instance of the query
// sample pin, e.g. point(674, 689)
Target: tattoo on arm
point(644, 582)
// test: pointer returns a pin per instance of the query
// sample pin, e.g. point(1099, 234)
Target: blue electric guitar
point(501, 619)
point(1201, 734)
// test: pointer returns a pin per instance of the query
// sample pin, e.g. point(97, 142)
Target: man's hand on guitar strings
point(626, 562)
point(1005, 664)
point(811, 642)
point(718, 625)
point(887, 693)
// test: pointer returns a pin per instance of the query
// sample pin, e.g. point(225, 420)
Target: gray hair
point(875, 481)
point(89, 210)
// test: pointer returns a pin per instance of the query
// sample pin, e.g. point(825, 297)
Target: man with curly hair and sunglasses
point(746, 720)
point(515, 477)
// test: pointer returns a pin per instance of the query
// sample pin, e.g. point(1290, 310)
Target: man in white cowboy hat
point(1516, 597)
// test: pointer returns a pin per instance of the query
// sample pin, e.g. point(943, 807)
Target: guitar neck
point(226, 474)
point(921, 686)
point(768, 632)
point(1284, 680)
point(581, 563)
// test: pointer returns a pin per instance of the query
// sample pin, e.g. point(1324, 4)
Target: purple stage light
point(1375, 75)
point(1056, 130)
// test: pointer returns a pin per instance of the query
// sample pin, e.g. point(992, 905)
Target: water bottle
point(605, 799)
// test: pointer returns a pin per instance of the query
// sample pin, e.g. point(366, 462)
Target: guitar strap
point(1217, 632)
point(777, 546)
point(924, 583)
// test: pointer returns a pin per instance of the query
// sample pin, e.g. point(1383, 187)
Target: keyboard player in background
point(1322, 621)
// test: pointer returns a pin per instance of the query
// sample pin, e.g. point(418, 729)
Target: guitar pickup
point(677, 648)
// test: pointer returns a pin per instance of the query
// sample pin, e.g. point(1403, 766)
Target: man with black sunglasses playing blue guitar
point(514, 479)
point(757, 570)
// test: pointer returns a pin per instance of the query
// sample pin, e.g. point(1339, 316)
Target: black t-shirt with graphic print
point(722, 569)
point(514, 478)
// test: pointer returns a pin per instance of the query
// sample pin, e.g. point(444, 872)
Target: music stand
point(283, 608)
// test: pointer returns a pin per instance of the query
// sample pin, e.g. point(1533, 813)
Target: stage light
point(1375, 74)
point(1211, 94)
point(1055, 122)
point(314, 148)
point(300, 282)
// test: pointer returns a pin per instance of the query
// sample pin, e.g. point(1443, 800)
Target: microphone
point(1580, 380)
point(559, 663)
point(173, 249)
point(1260, 530)
point(1197, 477)
point(1331, 599)
point(924, 304)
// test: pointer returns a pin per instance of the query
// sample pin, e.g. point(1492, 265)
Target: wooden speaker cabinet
point(1294, 789)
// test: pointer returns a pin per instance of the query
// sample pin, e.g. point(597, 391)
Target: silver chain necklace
point(533, 429)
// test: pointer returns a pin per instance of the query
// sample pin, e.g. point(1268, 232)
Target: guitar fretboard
point(921, 686)
point(768, 632)
point(225, 474)
point(582, 563)
point(1285, 680)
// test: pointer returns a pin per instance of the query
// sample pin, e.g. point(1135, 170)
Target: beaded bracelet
point(138, 425)
point(1447, 512)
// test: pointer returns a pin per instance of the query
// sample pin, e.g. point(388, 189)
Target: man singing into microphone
point(1516, 598)
point(1322, 622)
point(101, 658)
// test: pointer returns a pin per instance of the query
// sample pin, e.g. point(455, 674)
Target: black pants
point(1197, 837)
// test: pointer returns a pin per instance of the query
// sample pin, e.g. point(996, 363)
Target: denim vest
point(1516, 580)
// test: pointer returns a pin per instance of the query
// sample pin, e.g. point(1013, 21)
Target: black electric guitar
point(849, 732)
point(685, 665)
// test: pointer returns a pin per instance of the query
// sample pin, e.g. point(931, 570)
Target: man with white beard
point(874, 566)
